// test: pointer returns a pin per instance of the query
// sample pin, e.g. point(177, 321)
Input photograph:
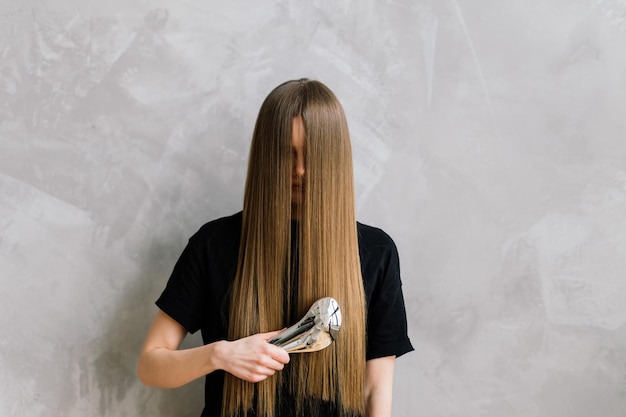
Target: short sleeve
point(182, 298)
point(387, 333)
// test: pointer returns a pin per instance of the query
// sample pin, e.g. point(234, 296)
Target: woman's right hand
point(162, 364)
point(252, 358)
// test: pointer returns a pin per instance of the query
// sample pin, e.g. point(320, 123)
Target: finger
point(268, 355)
point(279, 354)
point(267, 336)
point(275, 352)
point(273, 364)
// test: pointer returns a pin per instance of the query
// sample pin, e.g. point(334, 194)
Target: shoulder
point(374, 239)
point(379, 257)
point(219, 237)
point(220, 228)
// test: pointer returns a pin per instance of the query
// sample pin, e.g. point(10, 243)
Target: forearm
point(378, 403)
point(379, 386)
point(165, 368)
point(161, 363)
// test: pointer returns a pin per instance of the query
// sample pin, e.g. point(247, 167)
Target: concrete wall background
point(489, 142)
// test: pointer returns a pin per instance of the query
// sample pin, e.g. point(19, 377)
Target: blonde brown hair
point(327, 256)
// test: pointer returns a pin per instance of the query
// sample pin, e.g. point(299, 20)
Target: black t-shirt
point(197, 294)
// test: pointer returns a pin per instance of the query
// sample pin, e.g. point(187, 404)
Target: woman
point(242, 278)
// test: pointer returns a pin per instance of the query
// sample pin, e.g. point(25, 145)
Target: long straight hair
point(327, 255)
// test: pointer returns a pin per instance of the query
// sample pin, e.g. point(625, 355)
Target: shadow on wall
point(114, 356)
point(173, 180)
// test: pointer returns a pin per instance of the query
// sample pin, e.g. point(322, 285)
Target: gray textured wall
point(489, 142)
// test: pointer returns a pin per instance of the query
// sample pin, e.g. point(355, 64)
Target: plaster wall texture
point(488, 141)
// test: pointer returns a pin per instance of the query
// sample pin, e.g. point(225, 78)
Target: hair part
point(327, 255)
